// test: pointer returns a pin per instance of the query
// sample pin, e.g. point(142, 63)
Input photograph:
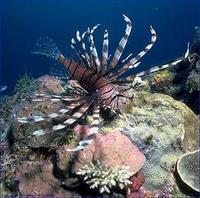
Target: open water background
point(24, 21)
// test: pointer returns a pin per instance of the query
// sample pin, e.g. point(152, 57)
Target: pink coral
point(137, 194)
point(137, 181)
point(113, 149)
point(36, 178)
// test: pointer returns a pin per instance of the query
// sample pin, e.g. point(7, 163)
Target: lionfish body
point(93, 83)
point(96, 80)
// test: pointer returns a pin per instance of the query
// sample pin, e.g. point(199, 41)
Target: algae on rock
point(163, 129)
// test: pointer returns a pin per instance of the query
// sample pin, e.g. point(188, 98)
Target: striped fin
point(36, 118)
point(86, 56)
point(105, 50)
point(55, 98)
point(75, 85)
point(93, 130)
point(82, 145)
point(188, 50)
point(74, 46)
point(78, 114)
point(134, 60)
point(127, 57)
point(95, 123)
point(158, 68)
point(74, 117)
point(93, 49)
point(122, 43)
point(94, 28)
point(78, 36)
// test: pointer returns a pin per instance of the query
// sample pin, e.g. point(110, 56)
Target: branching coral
point(24, 82)
point(5, 107)
point(192, 82)
point(9, 163)
point(103, 178)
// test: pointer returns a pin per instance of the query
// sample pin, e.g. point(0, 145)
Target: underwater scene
point(99, 98)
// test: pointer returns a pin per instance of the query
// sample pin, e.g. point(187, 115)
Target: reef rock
point(36, 178)
point(113, 149)
point(163, 129)
point(23, 132)
point(49, 84)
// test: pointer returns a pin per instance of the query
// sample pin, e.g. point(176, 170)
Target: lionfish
point(97, 81)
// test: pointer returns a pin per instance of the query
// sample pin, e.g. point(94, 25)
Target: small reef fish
point(3, 88)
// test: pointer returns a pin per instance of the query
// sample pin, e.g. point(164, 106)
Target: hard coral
point(188, 169)
point(24, 82)
point(104, 178)
point(161, 127)
point(112, 149)
point(192, 83)
point(137, 181)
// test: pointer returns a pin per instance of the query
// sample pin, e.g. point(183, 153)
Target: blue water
point(24, 21)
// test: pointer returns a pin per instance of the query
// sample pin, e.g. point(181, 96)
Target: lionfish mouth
point(97, 82)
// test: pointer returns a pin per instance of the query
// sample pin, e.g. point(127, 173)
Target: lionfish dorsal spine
point(105, 51)
point(93, 49)
point(131, 63)
point(122, 43)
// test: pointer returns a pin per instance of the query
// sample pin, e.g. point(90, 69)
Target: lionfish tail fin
point(46, 47)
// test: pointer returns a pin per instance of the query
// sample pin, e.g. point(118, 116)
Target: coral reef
point(163, 129)
point(182, 80)
point(154, 132)
point(188, 169)
point(49, 85)
point(104, 178)
point(112, 149)
point(21, 85)
point(137, 181)
point(6, 107)
point(135, 189)
point(36, 178)
point(9, 163)
point(192, 82)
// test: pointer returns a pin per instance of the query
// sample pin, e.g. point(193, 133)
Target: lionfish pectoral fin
point(79, 113)
point(74, 117)
point(92, 131)
point(95, 123)
point(59, 113)
point(75, 85)
point(47, 47)
point(55, 98)
point(82, 145)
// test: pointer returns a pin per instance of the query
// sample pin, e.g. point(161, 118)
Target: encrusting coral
point(104, 178)
point(162, 128)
